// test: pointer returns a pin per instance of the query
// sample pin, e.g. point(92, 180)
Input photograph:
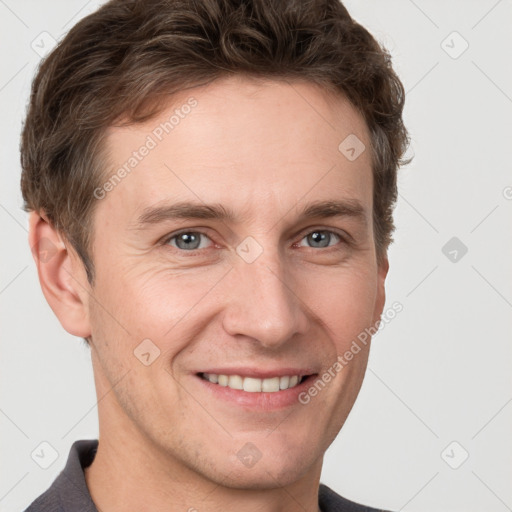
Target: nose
point(262, 304)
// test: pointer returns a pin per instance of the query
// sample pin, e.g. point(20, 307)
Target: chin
point(261, 478)
point(276, 468)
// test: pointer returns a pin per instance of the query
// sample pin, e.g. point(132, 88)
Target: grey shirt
point(69, 492)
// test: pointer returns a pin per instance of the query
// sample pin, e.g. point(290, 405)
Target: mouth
point(256, 391)
point(254, 384)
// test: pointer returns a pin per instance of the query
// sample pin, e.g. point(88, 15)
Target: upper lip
point(259, 373)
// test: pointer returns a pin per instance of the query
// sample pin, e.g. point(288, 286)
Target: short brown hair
point(117, 62)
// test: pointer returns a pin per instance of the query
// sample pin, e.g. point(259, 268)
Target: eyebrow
point(190, 210)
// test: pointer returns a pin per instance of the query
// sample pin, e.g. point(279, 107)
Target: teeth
point(235, 382)
point(252, 385)
point(270, 385)
point(284, 382)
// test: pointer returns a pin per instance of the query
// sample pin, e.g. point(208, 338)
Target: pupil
point(188, 240)
point(318, 237)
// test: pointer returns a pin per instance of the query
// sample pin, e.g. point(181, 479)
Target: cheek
point(152, 301)
point(344, 299)
point(142, 301)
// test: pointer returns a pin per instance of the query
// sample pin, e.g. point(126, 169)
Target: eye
point(321, 238)
point(188, 240)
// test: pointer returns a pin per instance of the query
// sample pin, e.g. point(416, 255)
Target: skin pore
point(264, 152)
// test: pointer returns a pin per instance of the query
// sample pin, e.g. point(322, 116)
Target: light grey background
point(439, 372)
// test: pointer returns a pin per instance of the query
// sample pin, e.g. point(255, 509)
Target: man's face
point(269, 292)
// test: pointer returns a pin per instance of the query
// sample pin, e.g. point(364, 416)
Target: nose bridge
point(263, 305)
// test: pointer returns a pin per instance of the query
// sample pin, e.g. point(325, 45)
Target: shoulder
point(49, 501)
point(68, 492)
point(329, 501)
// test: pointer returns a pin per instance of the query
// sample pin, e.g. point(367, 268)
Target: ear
point(382, 272)
point(61, 274)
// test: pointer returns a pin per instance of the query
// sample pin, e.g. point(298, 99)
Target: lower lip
point(258, 400)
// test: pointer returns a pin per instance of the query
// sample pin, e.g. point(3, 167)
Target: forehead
point(253, 145)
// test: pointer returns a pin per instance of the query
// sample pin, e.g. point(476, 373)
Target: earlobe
point(61, 275)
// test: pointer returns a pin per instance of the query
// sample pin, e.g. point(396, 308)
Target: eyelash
point(166, 241)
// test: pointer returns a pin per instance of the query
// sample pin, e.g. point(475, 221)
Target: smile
point(252, 384)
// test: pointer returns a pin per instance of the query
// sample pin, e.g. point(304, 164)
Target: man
point(211, 187)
